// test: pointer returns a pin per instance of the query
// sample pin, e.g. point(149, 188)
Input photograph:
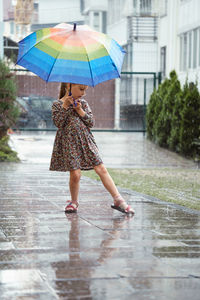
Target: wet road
point(98, 253)
point(118, 150)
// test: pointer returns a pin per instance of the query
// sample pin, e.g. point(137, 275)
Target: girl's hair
point(63, 88)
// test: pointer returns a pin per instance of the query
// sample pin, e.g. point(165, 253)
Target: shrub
point(162, 91)
point(173, 117)
point(8, 110)
point(174, 139)
point(150, 114)
point(163, 124)
point(7, 154)
point(190, 121)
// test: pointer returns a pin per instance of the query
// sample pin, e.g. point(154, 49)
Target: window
point(11, 27)
point(163, 60)
point(104, 21)
point(36, 7)
point(185, 51)
point(96, 21)
point(190, 49)
point(195, 48)
point(145, 7)
point(199, 47)
point(181, 53)
point(135, 4)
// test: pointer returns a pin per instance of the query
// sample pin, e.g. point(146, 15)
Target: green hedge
point(173, 116)
point(8, 111)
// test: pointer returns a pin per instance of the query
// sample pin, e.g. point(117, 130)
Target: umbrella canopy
point(70, 53)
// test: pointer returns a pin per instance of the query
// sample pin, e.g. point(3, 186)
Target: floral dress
point(74, 145)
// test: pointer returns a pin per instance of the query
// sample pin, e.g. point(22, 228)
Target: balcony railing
point(143, 28)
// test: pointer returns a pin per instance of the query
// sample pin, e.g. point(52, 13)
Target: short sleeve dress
point(74, 146)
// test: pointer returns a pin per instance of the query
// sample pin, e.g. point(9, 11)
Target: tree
point(190, 121)
point(162, 91)
point(163, 124)
point(8, 110)
point(150, 114)
point(174, 139)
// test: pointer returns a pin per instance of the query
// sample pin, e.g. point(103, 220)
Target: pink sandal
point(71, 207)
point(118, 202)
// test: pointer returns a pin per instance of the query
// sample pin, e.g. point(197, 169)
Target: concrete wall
point(145, 57)
point(118, 31)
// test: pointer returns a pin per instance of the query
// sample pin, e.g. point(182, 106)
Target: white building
point(159, 36)
point(51, 12)
point(44, 13)
point(179, 39)
point(95, 14)
point(134, 24)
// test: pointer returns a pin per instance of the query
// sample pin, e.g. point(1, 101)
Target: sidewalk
point(118, 150)
point(97, 254)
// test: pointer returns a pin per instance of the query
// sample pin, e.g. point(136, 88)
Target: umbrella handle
point(70, 94)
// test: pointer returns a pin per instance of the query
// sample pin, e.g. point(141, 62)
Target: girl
point(75, 148)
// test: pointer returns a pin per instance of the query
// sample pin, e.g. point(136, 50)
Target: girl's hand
point(77, 105)
point(67, 101)
point(78, 108)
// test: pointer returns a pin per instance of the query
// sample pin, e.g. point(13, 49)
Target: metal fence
point(135, 91)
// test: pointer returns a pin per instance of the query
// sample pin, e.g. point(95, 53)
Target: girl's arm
point(88, 117)
point(59, 114)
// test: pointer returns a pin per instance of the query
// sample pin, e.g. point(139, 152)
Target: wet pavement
point(98, 253)
point(118, 150)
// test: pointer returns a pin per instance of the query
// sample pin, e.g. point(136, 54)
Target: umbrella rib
point(54, 62)
point(96, 39)
point(90, 68)
point(30, 48)
point(53, 66)
point(37, 43)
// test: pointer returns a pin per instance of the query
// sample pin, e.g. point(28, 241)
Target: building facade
point(95, 14)
point(159, 36)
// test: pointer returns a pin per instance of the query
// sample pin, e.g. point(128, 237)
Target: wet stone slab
point(98, 253)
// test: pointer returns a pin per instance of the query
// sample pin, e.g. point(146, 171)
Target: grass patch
point(6, 153)
point(180, 186)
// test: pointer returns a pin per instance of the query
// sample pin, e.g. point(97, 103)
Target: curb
point(154, 199)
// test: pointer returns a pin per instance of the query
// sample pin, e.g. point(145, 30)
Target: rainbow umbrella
point(70, 53)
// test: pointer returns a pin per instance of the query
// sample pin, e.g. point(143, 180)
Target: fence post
point(144, 106)
point(159, 77)
point(117, 104)
point(154, 80)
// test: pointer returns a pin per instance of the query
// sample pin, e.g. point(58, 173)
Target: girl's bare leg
point(74, 183)
point(111, 187)
point(106, 180)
